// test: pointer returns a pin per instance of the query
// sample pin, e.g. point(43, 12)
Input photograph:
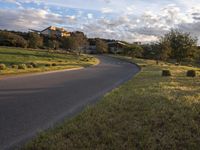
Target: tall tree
point(163, 49)
point(35, 40)
point(101, 46)
point(80, 41)
point(76, 42)
point(182, 45)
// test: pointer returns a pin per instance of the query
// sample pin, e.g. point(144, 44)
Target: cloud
point(24, 19)
point(90, 16)
point(122, 20)
point(106, 10)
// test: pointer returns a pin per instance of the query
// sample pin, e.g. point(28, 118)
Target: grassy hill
point(148, 112)
point(44, 60)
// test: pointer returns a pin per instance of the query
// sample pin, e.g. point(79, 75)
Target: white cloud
point(90, 16)
point(115, 19)
point(24, 19)
point(106, 10)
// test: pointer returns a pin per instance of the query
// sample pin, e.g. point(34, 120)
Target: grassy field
point(148, 112)
point(45, 60)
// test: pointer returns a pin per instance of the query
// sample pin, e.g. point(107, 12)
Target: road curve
point(31, 103)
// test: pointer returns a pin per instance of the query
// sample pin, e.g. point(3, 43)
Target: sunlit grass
point(16, 56)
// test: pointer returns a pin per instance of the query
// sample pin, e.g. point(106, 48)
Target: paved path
point(31, 103)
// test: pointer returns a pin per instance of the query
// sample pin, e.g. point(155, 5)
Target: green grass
point(148, 112)
point(17, 56)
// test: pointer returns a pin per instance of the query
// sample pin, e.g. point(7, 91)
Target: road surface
point(32, 103)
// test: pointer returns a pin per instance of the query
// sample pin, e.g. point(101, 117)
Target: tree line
point(77, 40)
point(176, 45)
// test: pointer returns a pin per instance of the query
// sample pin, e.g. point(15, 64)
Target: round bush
point(3, 67)
point(142, 65)
point(54, 64)
point(35, 65)
point(166, 73)
point(177, 64)
point(22, 66)
point(48, 65)
point(14, 66)
point(191, 73)
point(29, 66)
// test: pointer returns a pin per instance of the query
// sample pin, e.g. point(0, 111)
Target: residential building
point(116, 46)
point(54, 31)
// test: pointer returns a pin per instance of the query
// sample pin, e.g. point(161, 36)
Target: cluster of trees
point(12, 39)
point(173, 45)
point(77, 41)
point(176, 45)
point(133, 50)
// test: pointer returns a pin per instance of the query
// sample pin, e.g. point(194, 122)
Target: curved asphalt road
point(31, 103)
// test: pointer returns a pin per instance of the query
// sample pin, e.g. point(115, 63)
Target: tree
point(163, 49)
point(12, 39)
point(53, 44)
point(134, 50)
point(101, 46)
point(76, 42)
point(70, 43)
point(35, 40)
point(182, 45)
point(150, 51)
point(81, 41)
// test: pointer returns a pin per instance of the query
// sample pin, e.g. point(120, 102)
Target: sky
point(127, 20)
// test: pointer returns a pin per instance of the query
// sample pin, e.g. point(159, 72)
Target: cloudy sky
point(129, 20)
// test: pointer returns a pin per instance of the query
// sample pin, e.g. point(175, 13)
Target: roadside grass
point(148, 112)
point(18, 56)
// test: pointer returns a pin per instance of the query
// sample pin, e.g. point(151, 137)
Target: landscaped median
point(148, 112)
point(18, 61)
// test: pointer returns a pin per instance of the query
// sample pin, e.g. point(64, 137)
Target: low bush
point(166, 73)
point(177, 64)
point(3, 67)
point(47, 65)
point(22, 66)
point(14, 66)
point(29, 66)
point(191, 73)
point(54, 64)
point(35, 65)
point(142, 65)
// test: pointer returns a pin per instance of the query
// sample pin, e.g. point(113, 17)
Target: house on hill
point(116, 46)
point(54, 31)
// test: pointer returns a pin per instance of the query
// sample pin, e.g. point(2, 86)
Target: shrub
point(48, 65)
point(3, 67)
point(22, 66)
point(12, 39)
point(14, 66)
point(166, 73)
point(142, 65)
point(177, 64)
point(29, 66)
point(191, 73)
point(35, 65)
point(54, 64)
